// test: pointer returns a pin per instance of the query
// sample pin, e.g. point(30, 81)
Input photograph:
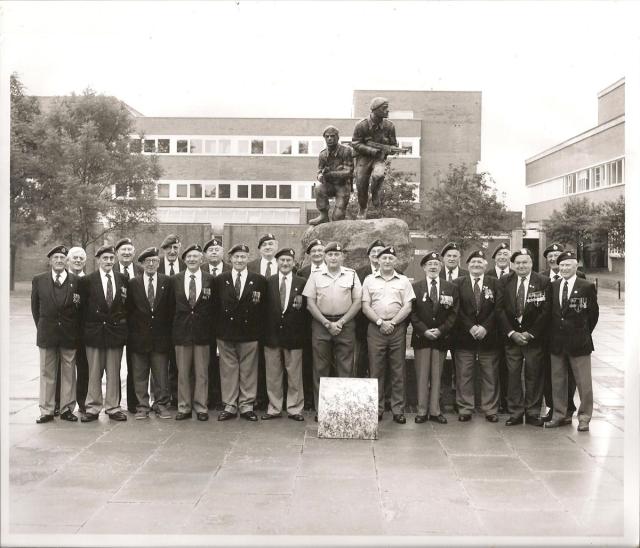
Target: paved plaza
point(278, 478)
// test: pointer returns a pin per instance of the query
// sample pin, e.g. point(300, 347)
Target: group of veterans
point(191, 321)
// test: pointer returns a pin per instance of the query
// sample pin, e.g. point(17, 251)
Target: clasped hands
point(478, 332)
point(432, 334)
point(521, 339)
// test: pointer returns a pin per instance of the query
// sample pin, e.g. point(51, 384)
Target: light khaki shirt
point(334, 294)
point(387, 297)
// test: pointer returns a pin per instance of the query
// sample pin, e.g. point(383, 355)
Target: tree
point(576, 223)
point(98, 185)
point(612, 220)
point(463, 207)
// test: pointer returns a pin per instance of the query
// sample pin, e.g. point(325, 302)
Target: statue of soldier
point(335, 175)
point(374, 138)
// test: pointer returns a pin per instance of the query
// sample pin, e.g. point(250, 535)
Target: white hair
point(77, 250)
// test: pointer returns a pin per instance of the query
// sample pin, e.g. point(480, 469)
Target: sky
point(538, 65)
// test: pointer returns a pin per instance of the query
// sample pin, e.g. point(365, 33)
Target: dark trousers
point(548, 390)
point(307, 372)
point(215, 394)
point(262, 398)
point(531, 359)
point(387, 353)
point(173, 379)
point(503, 376)
point(132, 400)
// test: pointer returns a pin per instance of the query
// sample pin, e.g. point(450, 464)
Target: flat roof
point(610, 88)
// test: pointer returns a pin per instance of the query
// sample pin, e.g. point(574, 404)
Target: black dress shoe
point(202, 416)
point(380, 417)
point(89, 417)
point(56, 411)
point(249, 416)
point(420, 419)
point(492, 418)
point(441, 419)
point(315, 418)
point(118, 416)
point(69, 416)
point(308, 407)
point(555, 423)
point(503, 410)
point(464, 418)
point(534, 421)
point(511, 421)
point(547, 417)
point(296, 417)
point(82, 409)
point(132, 410)
point(182, 416)
point(44, 418)
point(268, 417)
point(226, 415)
point(400, 419)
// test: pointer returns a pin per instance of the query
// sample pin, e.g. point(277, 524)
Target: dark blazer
point(550, 275)
point(57, 323)
point(492, 273)
point(150, 331)
point(254, 266)
point(468, 316)
point(363, 272)
point(285, 329)
point(572, 326)
point(240, 320)
point(461, 273)
point(181, 265)
point(193, 325)
point(535, 319)
point(423, 317)
point(305, 272)
point(137, 269)
point(103, 327)
point(225, 268)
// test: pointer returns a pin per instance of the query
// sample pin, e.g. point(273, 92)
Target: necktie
point(215, 271)
point(565, 295)
point(556, 277)
point(126, 273)
point(501, 272)
point(476, 292)
point(58, 282)
point(283, 294)
point(433, 295)
point(109, 291)
point(450, 278)
point(150, 293)
point(267, 272)
point(520, 298)
point(237, 286)
point(171, 270)
point(192, 291)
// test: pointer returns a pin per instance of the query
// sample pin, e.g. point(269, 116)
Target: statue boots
point(322, 218)
point(377, 195)
point(362, 214)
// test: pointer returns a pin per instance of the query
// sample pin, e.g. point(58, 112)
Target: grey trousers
point(388, 351)
point(532, 359)
point(489, 388)
point(238, 375)
point(192, 362)
point(581, 367)
point(48, 374)
point(156, 364)
point(277, 361)
point(429, 363)
point(328, 350)
point(101, 360)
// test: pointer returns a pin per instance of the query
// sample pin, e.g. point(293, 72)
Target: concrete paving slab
point(354, 466)
point(598, 484)
point(613, 465)
point(44, 507)
point(509, 495)
point(601, 446)
point(98, 480)
point(425, 485)
point(171, 487)
point(429, 458)
point(491, 467)
point(259, 480)
point(108, 454)
point(170, 459)
point(519, 523)
point(565, 459)
point(597, 518)
point(494, 445)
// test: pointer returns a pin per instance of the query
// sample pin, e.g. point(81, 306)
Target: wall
point(611, 104)
point(542, 210)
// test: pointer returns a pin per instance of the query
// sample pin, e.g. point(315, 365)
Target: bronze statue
point(335, 175)
point(374, 138)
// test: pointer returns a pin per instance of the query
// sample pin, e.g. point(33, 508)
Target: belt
point(333, 318)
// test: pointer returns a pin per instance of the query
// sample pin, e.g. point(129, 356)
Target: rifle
point(387, 149)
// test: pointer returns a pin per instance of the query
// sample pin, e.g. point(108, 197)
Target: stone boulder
point(356, 236)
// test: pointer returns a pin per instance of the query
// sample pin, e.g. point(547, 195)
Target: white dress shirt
point(129, 269)
point(187, 281)
point(473, 280)
point(553, 275)
point(287, 282)
point(264, 263)
point(63, 276)
point(499, 270)
point(167, 266)
point(437, 279)
point(218, 268)
point(455, 273)
point(571, 281)
point(103, 275)
point(243, 278)
point(155, 284)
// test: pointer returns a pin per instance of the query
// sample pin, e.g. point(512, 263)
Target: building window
point(596, 176)
point(243, 146)
point(163, 146)
point(182, 146)
point(303, 147)
point(619, 172)
point(210, 190)
point(243, 191)
point(196, 146)
point(257, 146)
point(285, 192)
point(271, 191)
point(285, 146)
point(224, 146)
point(401, 114)
point(316, 146)
point(583, 180)
point(196, 191)
point(224, 190)
point(149, 145)
point(408, 145)
point(182, 191)
point(257, 192)
point(210, 146)
point(163, 190)
point(569, 184)
point(121, 190)
point(271, 147)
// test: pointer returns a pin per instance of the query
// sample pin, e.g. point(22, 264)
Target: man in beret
point(334, 298)
point(524, 305)
point(574, 315)
point(194, 312)
point(125, 253)
point(386, 301)
point(476, 337)
point(285, 327)
point(240, 315)
point(371, 140)
point(315, 250)
point(450, 254)
point(335, 177)
point(103, 295)
point(551, 254)
point(150, 307)
point(76, 261)
point(55, 307)
point(170, 263)
point(214, 264)
point(434, 313)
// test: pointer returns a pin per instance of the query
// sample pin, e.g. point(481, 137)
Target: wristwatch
point(379, 322)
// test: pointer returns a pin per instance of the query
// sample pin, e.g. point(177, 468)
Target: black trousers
point(548, 392)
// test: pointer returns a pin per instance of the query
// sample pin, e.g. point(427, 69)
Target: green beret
point(553, 247)
point(389, 250)
point(523, 251)
point(239, 247)
point(58, 249)
point(212, 241)
point(149, 252)
point(192, 247)
point(565, 255)
point(265, 238)
point(312, 244)
point(431, 256)
point(450, 245)
point(123, 241)
point(105, 249)
point(170, 240)
point(499, 248)
point(478, 253)
point(287, 251)
point(375, 243)
point(333, 246)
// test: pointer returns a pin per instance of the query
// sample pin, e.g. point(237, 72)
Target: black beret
point(265, 238)
point(389, 250)
point(170, 240)
point(450, 245)
point(58, 249)
point(431, 256)
point(105, 249)
point(312, 244)
point(149, 252)
point(567, 255)
point(523, 251)
point(286, 251)
point(499, 248)
point(192, 247)
point(212, 241)
point(375, 243)
point(123, 241)
point(333, 246)
point(478, 253)
point(553, 247)
point(239, 247)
